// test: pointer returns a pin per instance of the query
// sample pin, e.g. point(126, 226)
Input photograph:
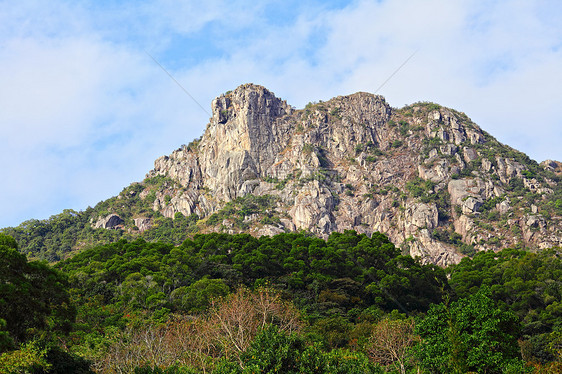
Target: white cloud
point(496, 61)
point(86, 111)
point(84, 117)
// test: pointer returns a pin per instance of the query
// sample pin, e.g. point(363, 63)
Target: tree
point(391, 341)
point(234, 321)
point(528, 284)
point(271, 351)
point(197, 296)
point(471, 334)
point(29, 358)
point(276, 351)
point(33, 296)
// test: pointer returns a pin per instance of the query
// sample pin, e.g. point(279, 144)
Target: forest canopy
point(292, 303)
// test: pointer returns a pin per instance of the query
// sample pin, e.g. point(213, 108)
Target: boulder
point(143, 223)
point(112, 221)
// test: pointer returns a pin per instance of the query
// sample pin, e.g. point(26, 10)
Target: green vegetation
point(336, 112)
point(424, 190)
point(274, 351)
point(172, 231)
point(53, 238)
point(289, 261)
point(370, 148)
point(426, 106)
point(34, 296)
point(289, 303)
point(279, 184)
point(528, 284)
point(242, 207)
point(469, 335)
point(420, 188)
point(35, 312)
point(307, 149)
point(429, 144)
point(404, 128)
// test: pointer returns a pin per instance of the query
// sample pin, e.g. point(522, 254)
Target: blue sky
point(84, 111)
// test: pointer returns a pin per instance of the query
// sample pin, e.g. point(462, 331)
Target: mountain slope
point(426, 176)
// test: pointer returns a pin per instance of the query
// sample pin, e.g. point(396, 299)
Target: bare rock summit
point(428, 177)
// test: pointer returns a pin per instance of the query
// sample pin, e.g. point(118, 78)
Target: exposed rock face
point(469, 194)
point(355, 163)
point(109, 222)
point(143, 223)
point(554, 166)
point(242, 141)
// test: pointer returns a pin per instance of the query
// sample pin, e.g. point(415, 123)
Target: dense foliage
point(343, 276)
point(527, 284)
point(289, 303)
point(469, 335)
point(52, 239)
point(34, 297)
point(35, 311)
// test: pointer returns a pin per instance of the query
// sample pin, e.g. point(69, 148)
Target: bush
point(469, 335)
point(274, 351)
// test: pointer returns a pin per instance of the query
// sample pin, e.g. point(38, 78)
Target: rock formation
point(109, 222)
point(424, 175)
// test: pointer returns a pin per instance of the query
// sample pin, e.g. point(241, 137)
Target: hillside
point(427, 176)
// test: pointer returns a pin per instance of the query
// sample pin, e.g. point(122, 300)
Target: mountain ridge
point(427, 176)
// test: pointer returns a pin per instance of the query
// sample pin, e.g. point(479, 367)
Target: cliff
point(426, 176)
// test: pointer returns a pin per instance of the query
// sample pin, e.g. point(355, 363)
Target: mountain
point(427, 176)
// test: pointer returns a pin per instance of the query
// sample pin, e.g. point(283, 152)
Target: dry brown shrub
point(225, 330)
point(391, 341)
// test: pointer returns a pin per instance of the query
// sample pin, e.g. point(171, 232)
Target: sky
point(85, 111)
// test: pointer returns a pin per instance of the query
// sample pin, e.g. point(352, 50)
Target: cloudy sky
point(84, 111)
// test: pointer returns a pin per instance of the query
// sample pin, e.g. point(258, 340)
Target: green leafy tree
point(33, 296)
point(275, 351)
point(28, 359)
point(197, 296)
point(471, 334)
point(528, 284)
point(6, 342)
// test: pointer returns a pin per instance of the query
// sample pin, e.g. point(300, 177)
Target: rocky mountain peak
point(426, 176)
point(250, 104)
point(243, 137)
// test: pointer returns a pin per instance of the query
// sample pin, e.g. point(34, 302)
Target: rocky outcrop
point(312, 209)
point(242, 140)
point(470, 194)
point(182, 166)
point(553, 166)
point(111, 221)
point(143, 223)
point(424, 175)
point(433, 251)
